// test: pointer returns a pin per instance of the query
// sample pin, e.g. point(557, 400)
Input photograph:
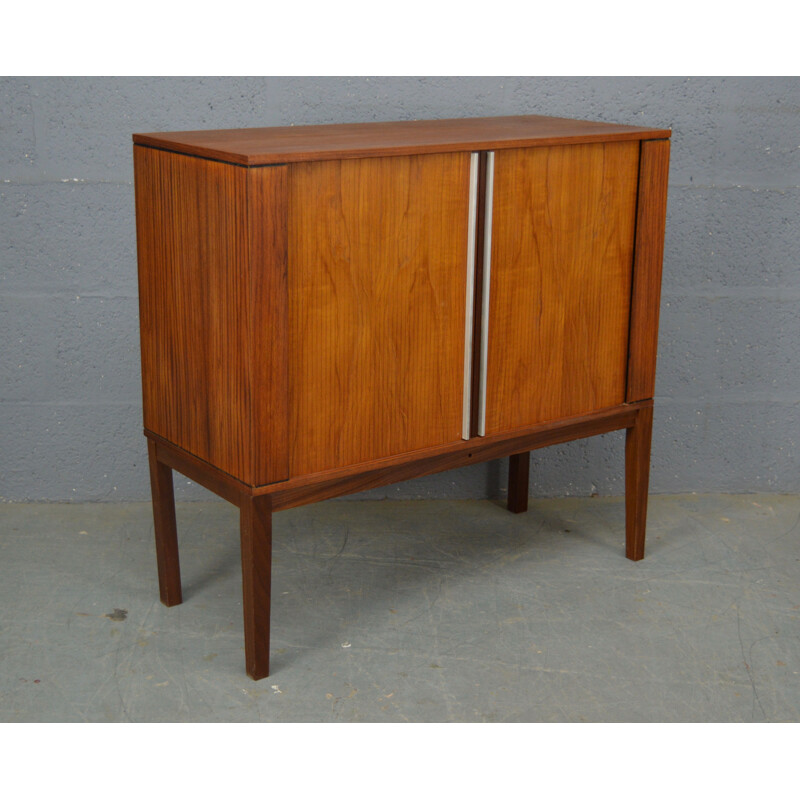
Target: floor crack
point(747, 667)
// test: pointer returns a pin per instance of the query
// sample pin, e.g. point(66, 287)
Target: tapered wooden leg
point(256, 533)
point(519, 466)
point(637, 476)
point(166, 530)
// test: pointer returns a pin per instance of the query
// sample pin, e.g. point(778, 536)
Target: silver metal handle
point(487, 282)
point(470, 299)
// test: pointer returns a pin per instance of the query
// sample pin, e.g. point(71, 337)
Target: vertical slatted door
point(194, 305)
point(377, 253)
point(562, 238)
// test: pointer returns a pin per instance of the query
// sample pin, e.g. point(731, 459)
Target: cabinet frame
point(247, 463)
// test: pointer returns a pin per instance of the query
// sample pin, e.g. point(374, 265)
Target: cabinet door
point(560, 286)
point(377, 297)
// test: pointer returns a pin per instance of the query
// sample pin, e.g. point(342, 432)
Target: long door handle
point(487, 282)
point(470, 299)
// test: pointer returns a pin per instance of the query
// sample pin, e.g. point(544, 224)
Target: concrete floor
point(424, 611)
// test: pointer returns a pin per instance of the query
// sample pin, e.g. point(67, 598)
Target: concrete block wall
point(728, 389)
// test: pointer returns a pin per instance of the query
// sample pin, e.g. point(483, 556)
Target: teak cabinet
point(332, 308)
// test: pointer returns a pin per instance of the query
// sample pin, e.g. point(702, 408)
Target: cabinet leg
point(256, 534)
point(166, 529)
point(637, 476)
point(519, 466)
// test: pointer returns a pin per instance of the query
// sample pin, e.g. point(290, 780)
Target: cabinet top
point(253, 147)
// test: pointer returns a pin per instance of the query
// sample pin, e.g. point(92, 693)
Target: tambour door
point(377, 287)
point(562, 238)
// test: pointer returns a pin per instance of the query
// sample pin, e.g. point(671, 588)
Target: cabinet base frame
point(257, 503)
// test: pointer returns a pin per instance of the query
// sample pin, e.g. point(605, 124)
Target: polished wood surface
point(303, 306)
point(405, 466)
point(562, 249)
point(280, 145)
point(519, 466)
point(256, 509)
point(382, 472)
point(199, 471)
point(377, 283)
point(637, 478)
point(650, 224)
point(195, 304)
point(165, 528)
point(268, 335)
point(256, 545)
point(212, 246)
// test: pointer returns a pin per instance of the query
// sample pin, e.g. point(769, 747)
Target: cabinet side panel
point(650, 225)
point(377, 288)
point(268, 191)
point(561, 256)
point(194, 305)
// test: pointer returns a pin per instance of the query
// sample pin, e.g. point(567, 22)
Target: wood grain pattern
point(650, 225)
point(213, 310)
point(562, 250)
point(401, 467)
point(268, 197)
point(381, 472)
point(303, 324)
point(207, 475)
point(256, 146)
point(377, 283)
point(194, 296)
point(637, 478)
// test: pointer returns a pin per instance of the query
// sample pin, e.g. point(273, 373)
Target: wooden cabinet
point(333, 308)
